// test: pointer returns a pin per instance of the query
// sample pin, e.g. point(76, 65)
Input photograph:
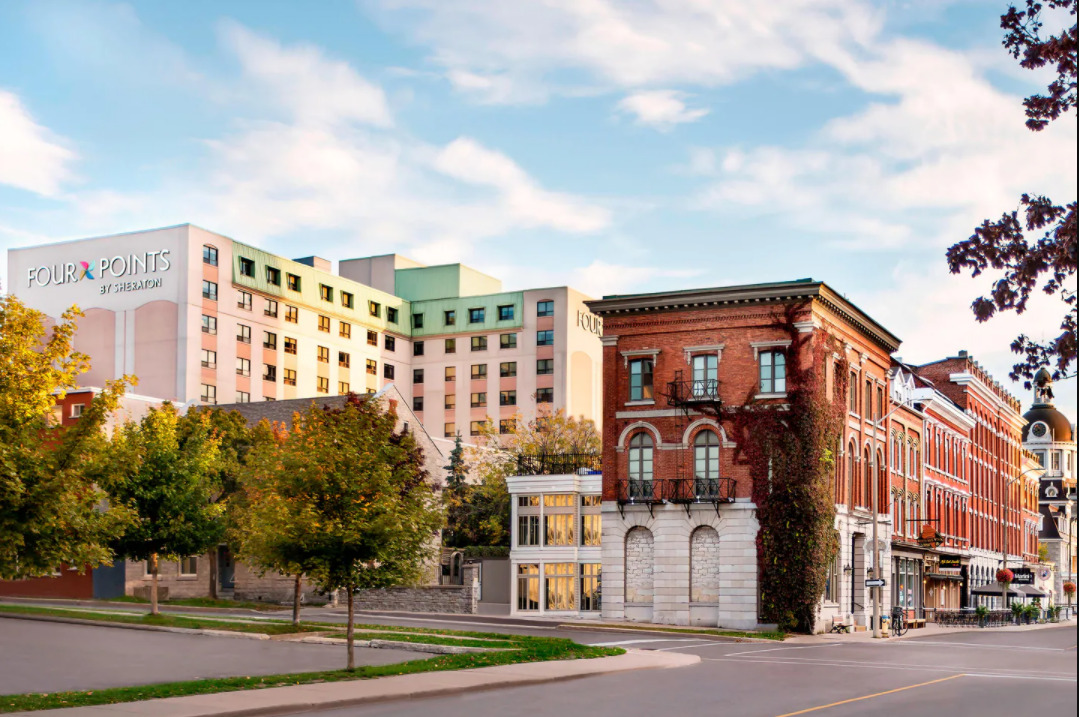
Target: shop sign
point(1023, 576)
point(928, 537)
point(950, 562)
point(103, 269)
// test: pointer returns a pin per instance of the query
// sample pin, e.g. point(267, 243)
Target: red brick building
point(679, 529)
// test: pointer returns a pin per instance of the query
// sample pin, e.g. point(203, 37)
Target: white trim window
point(640, 379)
point(641, 449)
point(705, 375)
point(528, 587)
point(773, 371)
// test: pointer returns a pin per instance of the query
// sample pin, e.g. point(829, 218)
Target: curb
point(306, 698)
point(684, 633)
point(130, 626)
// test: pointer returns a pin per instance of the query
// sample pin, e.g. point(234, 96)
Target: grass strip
point(769, 635)
point(529, 649)
point(191, 623)
point(206, 602)
point(432, 640)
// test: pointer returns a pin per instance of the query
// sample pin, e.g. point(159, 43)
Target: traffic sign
point(874, 583)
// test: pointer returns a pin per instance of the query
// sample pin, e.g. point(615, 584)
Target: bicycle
point(899, 621)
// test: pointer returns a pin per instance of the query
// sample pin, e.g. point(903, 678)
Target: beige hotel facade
point(199, 317)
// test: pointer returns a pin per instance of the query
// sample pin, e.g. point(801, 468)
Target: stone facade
point(704, 565)
point(452, 599)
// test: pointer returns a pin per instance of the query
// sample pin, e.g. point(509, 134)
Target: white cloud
point(661, 109)
point(310, 86)
point(31, 157)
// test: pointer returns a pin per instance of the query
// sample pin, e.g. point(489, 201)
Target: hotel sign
point(590, 322)
point(121, 266)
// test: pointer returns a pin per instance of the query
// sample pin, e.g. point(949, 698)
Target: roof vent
point(963, 354)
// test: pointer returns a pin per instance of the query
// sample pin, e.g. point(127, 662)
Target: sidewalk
point(330, 695)
point(930, 630)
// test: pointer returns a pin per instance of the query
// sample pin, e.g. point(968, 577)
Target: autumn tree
point(350, 495)
point(50, 507)
point(167, 482)
point(1034, 246)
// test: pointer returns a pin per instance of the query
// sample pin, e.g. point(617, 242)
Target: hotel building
point(199, 317)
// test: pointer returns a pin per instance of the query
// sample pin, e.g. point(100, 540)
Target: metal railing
point(543, 464)
point(689, 391)
point(676, 490)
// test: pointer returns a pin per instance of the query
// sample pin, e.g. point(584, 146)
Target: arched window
point(851, 474)
point(706, 455)
point(867, 477)
point(640, 461)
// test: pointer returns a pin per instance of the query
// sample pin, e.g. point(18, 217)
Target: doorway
point(226, 568)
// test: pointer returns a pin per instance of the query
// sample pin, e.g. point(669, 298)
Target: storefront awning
point(945, 576)
point(1032, 591)
point(994, 590)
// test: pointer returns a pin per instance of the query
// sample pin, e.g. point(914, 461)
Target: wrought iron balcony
point(543, 464)
point(635, 491)
point(700, 490)
point(700, 393)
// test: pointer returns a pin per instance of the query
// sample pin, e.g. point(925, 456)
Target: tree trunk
point(351, 630)
point(296, 600)
point(213, 573)
point(153, 585)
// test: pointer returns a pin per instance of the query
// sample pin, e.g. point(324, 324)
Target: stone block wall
point(452, 599)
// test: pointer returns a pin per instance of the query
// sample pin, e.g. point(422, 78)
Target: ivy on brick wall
point(790, 448)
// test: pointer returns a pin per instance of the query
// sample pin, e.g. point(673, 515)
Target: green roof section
point(445, 281)
point(434, 314)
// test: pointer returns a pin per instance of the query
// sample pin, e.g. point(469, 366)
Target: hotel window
point(391, 314)
point(243, 333)
point(451, 346)
point(388, 370)
point(273, 276)
point(269, 340)
point(449, 318)
point(450, 402)
point(705, 458)
point(544, 367)
point(544, 395)
point(475, 428)
point(590, 586)
point(545, 338)
point(247, 267)
point(209, 255)
point(209, 394)
point(507, 398)
point(479, 343)
point(390, 343)
point(417, 321)
point(449, 430)
point(507, 341)
point(590, 521)
point(342, 388)
point(507, 369)
point(773, 372)
point(372, 367)
point(640, 379)
point(243, 397)
point(292, 314)
point(417, 348)
point(417, 403)
point(189, 565)
point(451, 373)
point(243, 366)
point(505, 313)
point(347, 300)
point(293, 282)
point(290, 377)
point(209, 358)
point(326, 292)
point(269, 372)
point(528, 587)
point(417, 375)
point(705, 375)
point(344, 329)
point(375, 309)
point(479, 400)
point(322, 385)
point(476, 316)
point(344, 360)
point(528, 521)
point(558, 519)
point(271, 308)
point(640, 465)
point(290, 345)
point(209, 290)
point(244, 301)
point(324, 323)
point(479, 370)
point(209, 324)
point(507, 426)
point(372, 338)
point(544, 308)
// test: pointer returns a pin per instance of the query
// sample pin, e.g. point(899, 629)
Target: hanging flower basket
point(1069, 588)
point(1005, 576)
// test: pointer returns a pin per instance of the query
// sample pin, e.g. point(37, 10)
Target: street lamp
point(1004, 523)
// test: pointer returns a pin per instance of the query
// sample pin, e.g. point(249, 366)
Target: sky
point(612, 145)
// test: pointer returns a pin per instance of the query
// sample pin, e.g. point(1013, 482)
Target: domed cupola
point(1044, 422)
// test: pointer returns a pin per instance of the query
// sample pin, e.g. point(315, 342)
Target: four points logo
point(87, 270)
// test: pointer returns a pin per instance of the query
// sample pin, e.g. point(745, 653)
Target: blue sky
point(612, 146)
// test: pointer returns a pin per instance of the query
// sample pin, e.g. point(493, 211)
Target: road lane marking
point(638, 642)
point(868, 697)
point(709, 643)
point(774, 649)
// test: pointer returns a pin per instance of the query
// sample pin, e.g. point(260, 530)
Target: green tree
point(457, 470)
point(167, 483)
point(234, 441)
point(358, 489)
point(50, 507)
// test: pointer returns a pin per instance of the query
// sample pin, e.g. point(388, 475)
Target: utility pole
point(1007, 500)
point(878, 425)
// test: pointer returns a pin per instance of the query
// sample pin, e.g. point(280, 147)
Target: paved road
point(52, 657)
point(981, 673)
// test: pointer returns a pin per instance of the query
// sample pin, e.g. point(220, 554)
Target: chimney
point(963, 354)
